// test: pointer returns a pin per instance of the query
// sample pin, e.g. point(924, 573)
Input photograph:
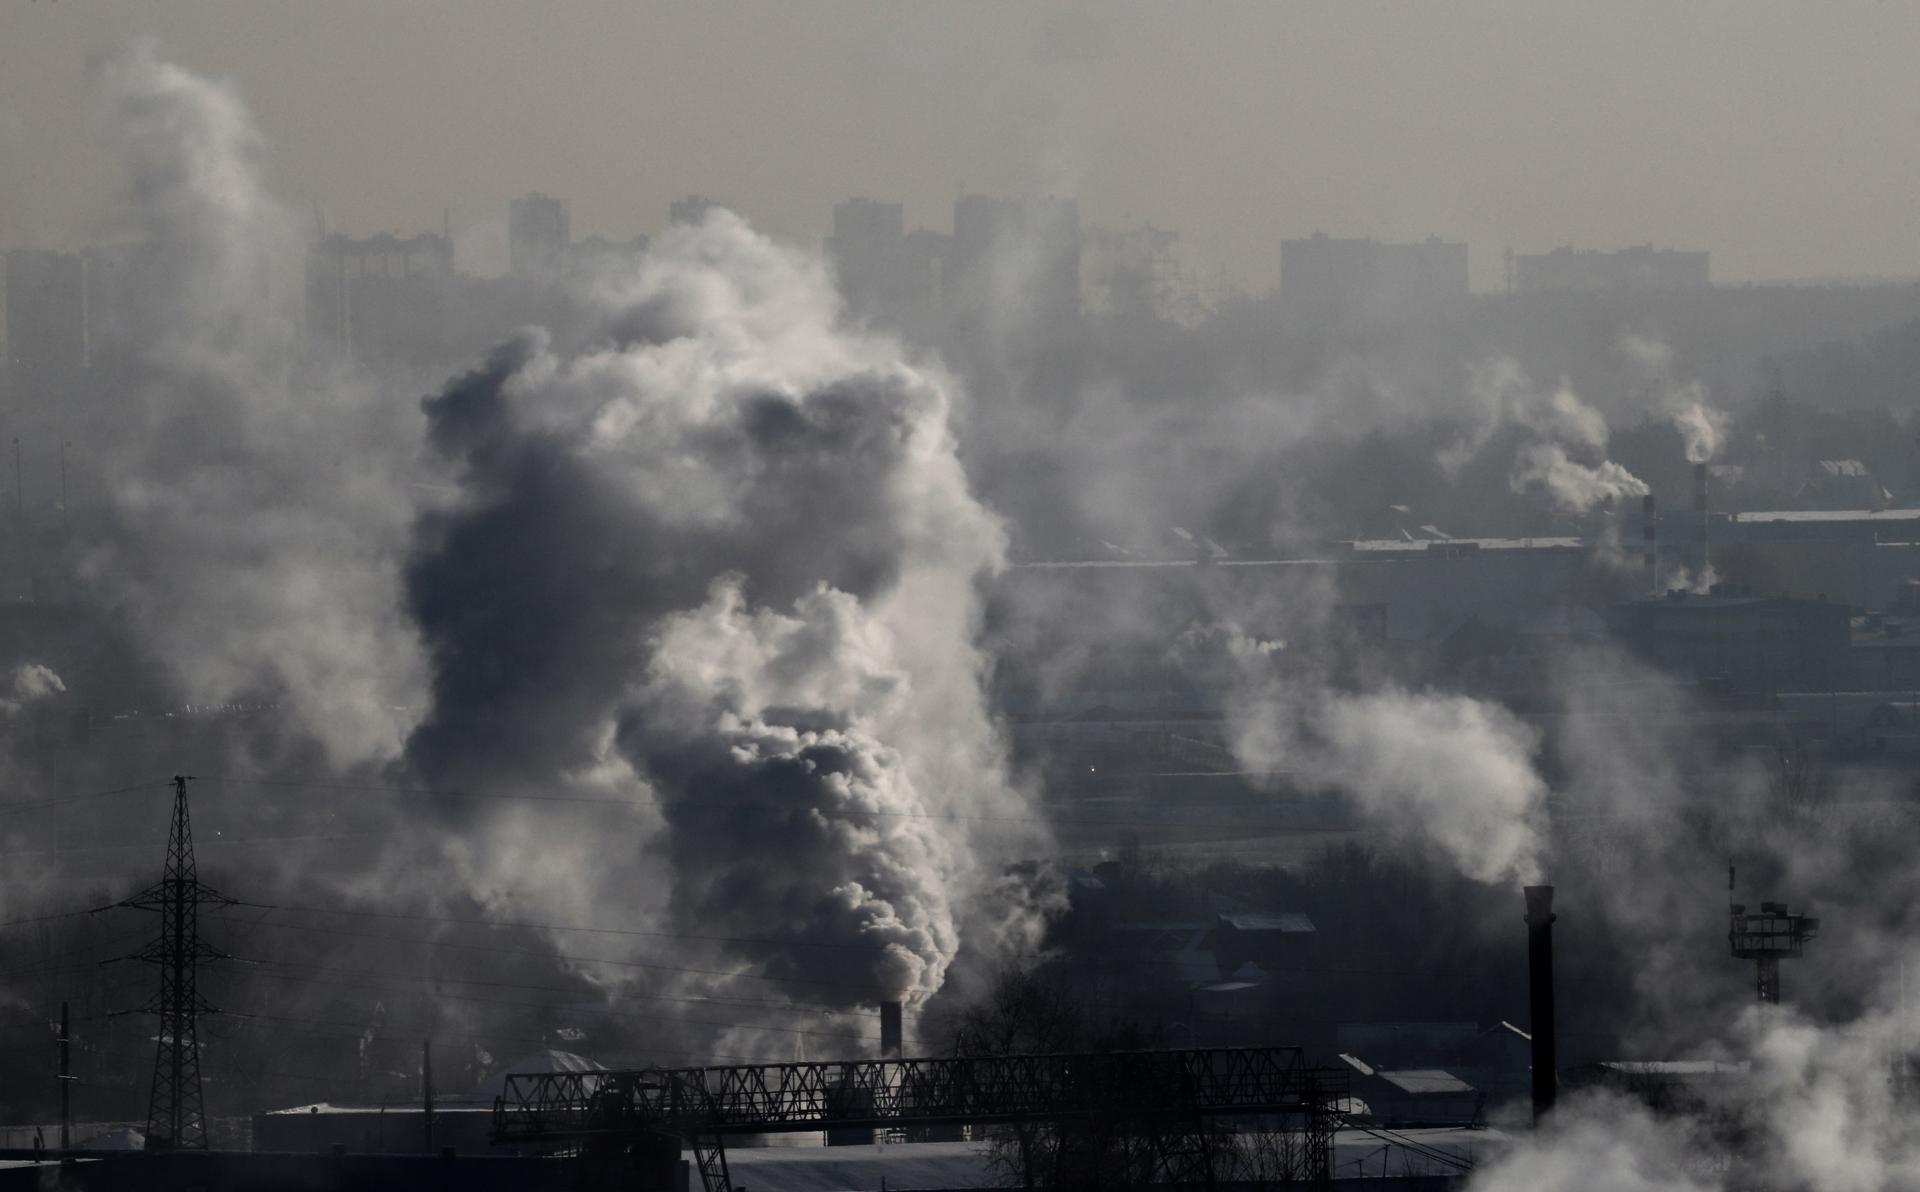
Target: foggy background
point(658, 529)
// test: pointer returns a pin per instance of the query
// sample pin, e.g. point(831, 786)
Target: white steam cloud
point(261, 513)
point(1566, 453)
point(1572, 486)
point(1450, 770)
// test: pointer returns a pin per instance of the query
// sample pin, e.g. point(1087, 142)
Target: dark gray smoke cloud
point(725, 561)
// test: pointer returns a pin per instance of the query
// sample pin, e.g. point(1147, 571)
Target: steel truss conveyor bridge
point(1165, 1098)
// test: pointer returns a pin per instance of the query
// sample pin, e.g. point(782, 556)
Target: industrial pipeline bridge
point(1166, 1098)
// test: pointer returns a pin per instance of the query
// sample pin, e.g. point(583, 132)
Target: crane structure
point(1168, 1098)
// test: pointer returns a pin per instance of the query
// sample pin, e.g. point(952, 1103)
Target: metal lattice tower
point(176, 1112)
point(1767, 937)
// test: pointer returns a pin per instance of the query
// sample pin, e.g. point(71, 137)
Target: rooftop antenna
point(1767, 937)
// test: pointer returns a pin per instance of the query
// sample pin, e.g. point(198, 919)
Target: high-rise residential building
point(1020, 257)
point(1324, 279)
point(538, 232)
point(690, 210)
point(885, 274)
point(1641, 267)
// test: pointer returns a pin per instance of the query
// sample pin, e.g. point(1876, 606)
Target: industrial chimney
point(1540, 997)
point(890, 1033)
point(1650, 536)
point(1700, 521)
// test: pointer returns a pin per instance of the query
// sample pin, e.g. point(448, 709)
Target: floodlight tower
point(1767, 937)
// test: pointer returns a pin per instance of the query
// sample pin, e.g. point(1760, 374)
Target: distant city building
point(867, 249)
point(381, 297)
point(46, 323)
point(1324, 279)
point(596, 253)
point(1642, 267)
point(691, 210)
point(1017, 258)
point(538, 232)
point(886, 274)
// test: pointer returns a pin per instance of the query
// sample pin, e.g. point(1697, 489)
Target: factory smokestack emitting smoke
point(726, 561)
point(1540, 919)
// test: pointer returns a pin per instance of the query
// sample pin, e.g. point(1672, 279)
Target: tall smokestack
point(891, 1036)
point(1650, 538)
point(1540, 997)
point(1700, 520)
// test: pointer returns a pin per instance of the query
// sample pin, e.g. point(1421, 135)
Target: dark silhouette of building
point(690, 210)
point(1641, 267)
point(1746, 642)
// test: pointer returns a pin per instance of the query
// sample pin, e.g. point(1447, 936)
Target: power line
point(8, 808)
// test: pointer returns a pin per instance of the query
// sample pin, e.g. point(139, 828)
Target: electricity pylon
point(176, 1111)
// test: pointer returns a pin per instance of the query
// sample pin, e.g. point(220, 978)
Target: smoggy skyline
point(1777, 138)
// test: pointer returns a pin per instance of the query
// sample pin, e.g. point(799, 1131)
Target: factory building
point(1743, 641)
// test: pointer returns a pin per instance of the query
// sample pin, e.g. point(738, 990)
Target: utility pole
point(19, 492)
point(426, 1087)
point(64, 444)
point(66, 1083)
point(176, 1110)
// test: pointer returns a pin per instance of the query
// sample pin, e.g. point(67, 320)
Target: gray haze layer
point(1781, 134)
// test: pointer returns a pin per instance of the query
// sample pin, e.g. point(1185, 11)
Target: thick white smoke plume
point(1573, 487)
point(1565, 455)
point(730, 553)
point(1816, 1108)
point(1449, 770)
point(260, 514)
point(31, 682)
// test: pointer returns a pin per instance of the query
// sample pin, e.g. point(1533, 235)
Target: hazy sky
point(1785, 138)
